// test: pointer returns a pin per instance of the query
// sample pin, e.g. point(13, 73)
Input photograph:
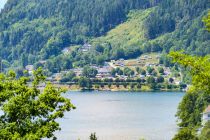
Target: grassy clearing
point(152, 58)
point(128, 33)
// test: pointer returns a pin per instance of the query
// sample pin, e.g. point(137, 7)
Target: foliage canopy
point(27, 111)
point(198, 96)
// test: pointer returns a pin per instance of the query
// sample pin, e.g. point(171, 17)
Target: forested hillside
point(177, 24)
point(38, 30)
point(172, 25)
point(45, 27)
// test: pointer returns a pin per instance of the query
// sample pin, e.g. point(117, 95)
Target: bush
point(185, 134)
point(138, 86)
point(30, 113)
point(93, 136)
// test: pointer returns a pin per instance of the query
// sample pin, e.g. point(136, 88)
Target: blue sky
point(2, 2)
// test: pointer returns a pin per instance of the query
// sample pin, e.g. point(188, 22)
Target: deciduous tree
point(27, 111)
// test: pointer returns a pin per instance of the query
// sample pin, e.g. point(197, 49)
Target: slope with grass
point(129, 33)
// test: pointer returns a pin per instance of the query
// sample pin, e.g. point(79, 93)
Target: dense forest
point(177, 24)
point(45, 27)
point(38, 30)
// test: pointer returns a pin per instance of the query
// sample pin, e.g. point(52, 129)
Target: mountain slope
point(129, 33)
point(43, 28)
point(38, 30)
point(172, 25)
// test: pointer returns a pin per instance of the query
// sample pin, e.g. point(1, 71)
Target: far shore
point(114, 88)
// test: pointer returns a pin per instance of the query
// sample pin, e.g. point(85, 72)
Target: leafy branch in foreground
point(199, 68)
point(198, 96)
point(28, 112)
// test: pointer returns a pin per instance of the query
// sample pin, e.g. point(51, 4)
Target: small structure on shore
point(206, 115)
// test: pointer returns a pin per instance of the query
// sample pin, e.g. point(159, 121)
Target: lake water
point(121, 115)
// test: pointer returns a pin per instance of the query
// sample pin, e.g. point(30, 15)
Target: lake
point(121, 115)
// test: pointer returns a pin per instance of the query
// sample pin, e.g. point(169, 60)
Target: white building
point(66, 51)
point(30, 69)
point(206, 115)
point(104, 72)
point(86, 47)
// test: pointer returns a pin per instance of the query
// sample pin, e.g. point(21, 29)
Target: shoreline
point(120, 89)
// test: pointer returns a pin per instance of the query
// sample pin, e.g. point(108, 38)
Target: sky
point(2, 2)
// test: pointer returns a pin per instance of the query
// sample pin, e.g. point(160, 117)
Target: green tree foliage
point(164, 59)
point(68, 77)
point(207, 21)
point(205, 133)
point(154, 73)
point(150, 69)
point(171, 80)
point(182, 85)
point(143, 72)
point(150, 80)
point(188, 111)
point(198, 97)
point(152, 83)
point(161, 70)
point(85, 83)
point(138, 70)
point(185, 134)
point(179, 25)
point(57, 64)
point(128, 72)
point(138, 86)
point(28, 112)
point(132, 85)
point(37, 30)
point(160, 79)
point(89, 72)
point(109, 85)
point(99, 48)
point(119, 71)
point(93, 136)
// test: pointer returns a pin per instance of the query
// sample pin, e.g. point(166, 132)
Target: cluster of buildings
point(145, 60)
point(104, 72)
point(118, 63)
point(85, 48)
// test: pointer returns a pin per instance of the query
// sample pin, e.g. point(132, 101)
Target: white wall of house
point(206, 117)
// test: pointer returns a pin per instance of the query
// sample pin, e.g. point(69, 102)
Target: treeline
point(133, 84)
point(155, 81)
